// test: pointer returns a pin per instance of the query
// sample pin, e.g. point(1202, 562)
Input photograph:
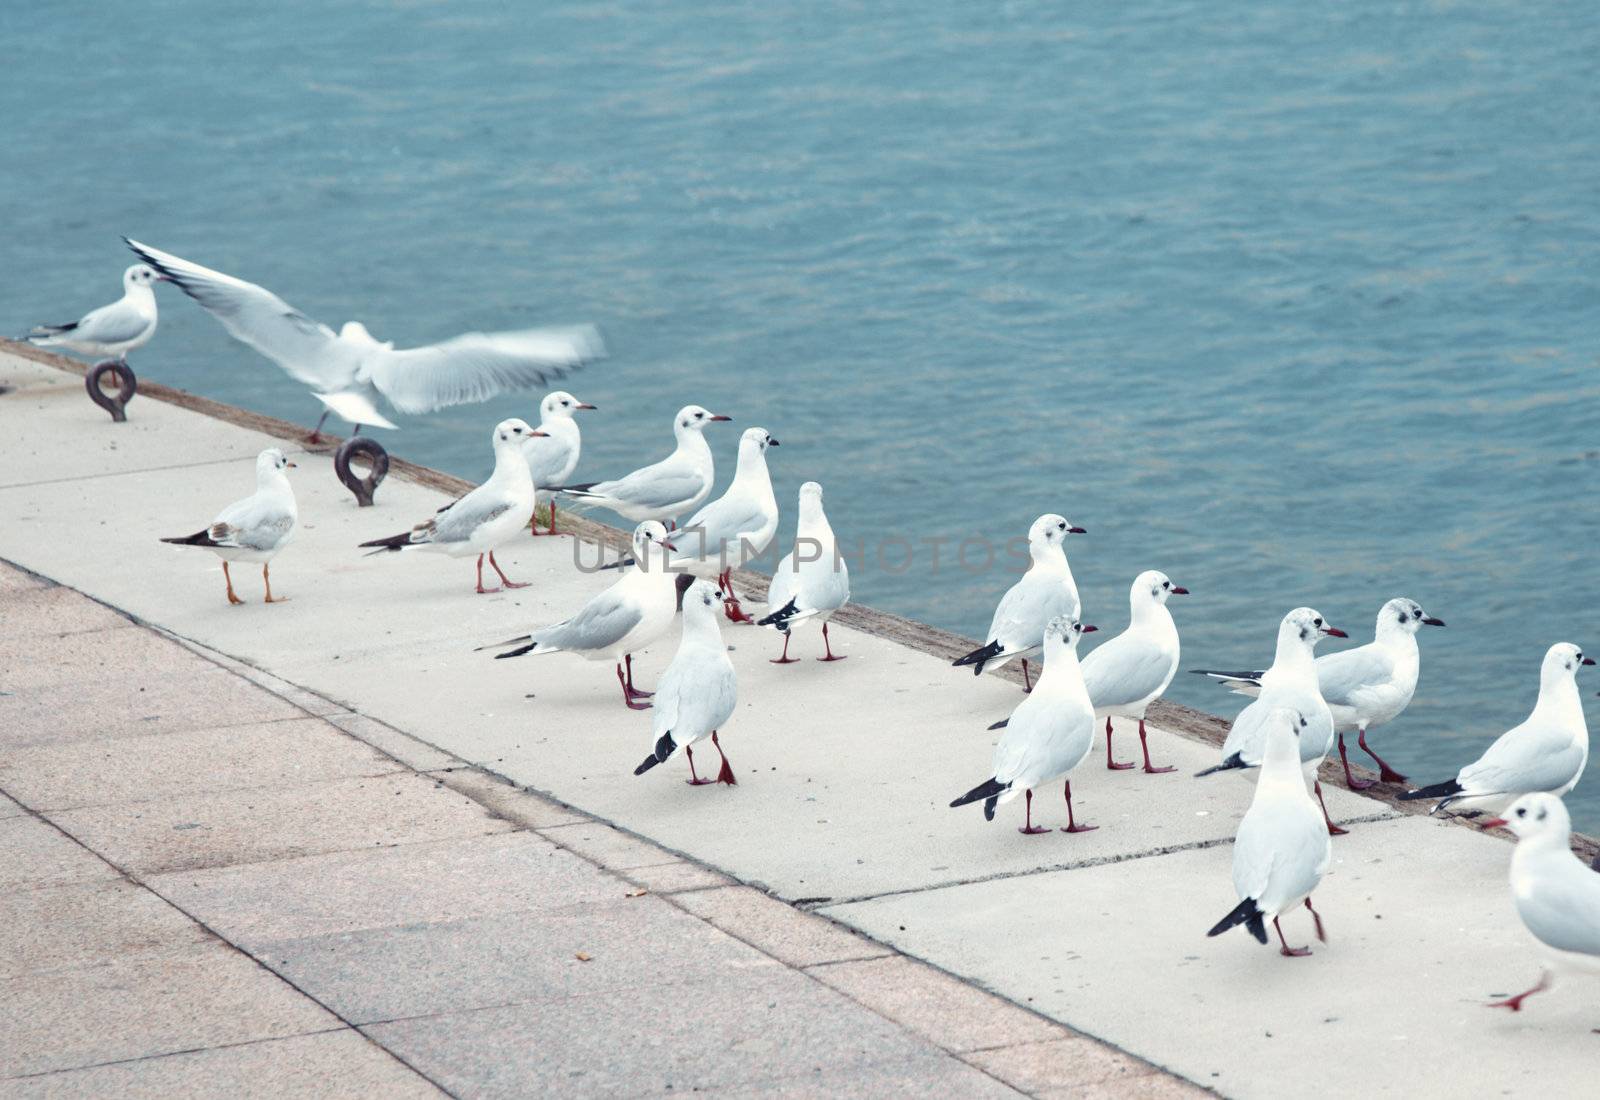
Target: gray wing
point(1020, 619)
point(785, 583)
point(255, 316)
point(116, 323)
point(252, 524)
point(1528, 758)
point(657, 486)
point(457, 521)
point(1279, 854)
point(477, 366)
point(1342, 674)
point(1247, 735)
point(1125, 670)
point(1564, 909)
point(602, 622)
point(716, 524)
point(700, 695)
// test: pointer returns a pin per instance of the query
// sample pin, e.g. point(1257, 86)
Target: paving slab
point(33, 854)
point(42, 610)
point(146, 1004)
point(305, 1067)
point(162, 766)
point(58, 927)
point(266, 823)
point(779, 929)
point(1421, 935)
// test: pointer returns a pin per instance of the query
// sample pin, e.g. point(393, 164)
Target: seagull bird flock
point(111, 331)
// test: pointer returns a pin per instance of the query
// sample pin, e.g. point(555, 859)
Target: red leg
point(1028, 828)
point(1350, 780)
point(726, 774)
point(832, 656)
point(730, 600)
point(1387, 774)
point(482, 590)
point(1292, 952)
point(552, 515)
point(1316, 917)
point(1145, 745)
point(505, 580)
point(266, 579)
point(785, 659)
point(1073, 826)
point(628, 699)
point(631, 689)
point(1515, 1003)
point(694, 780)
point(1333, 830)
point(228, 578)
point(1027, 684)
point(1112, 765)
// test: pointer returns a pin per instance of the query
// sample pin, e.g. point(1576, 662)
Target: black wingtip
point(1437, 790)
point(393, 542)
point(1247, 914)
point(199, 538)
point(646, 764)
point(529, 648)
point(1002, 724)
point(990, 789)
point(779, 617)
point(1230, 764)
point(978, 657)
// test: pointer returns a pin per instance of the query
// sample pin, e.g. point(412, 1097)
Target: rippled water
point(1296, 303)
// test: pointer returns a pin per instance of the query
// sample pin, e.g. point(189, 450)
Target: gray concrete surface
point(845, 771)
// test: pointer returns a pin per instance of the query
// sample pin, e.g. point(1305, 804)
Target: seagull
point(697, 693)
point(635, 611)
point(812, 581)
point(1557, 897)
point(1129, 672)
point(255, 528)
point(1547, 752)
point(736, 527)
point(553, 453)
point(348, 371)
point(1282, 848)
point(111, 331)
point(667, 489)
point(1045, 591)
point(1365, 686)
point(1049, 734)
point(1290, 682)
point(487, 517)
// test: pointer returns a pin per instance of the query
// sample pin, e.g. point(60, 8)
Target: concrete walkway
point(845, 771)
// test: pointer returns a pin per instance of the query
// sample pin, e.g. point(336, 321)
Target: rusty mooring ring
point(373, 452)
point(127, 385)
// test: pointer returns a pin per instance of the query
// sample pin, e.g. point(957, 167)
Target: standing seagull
point(635, 611)
point(111, 331)
point(552, 452)
point(1047, 736)
point(697, 693)
point(1129, 672)
point(813, 580)
point(1291, 682)
point(256, 528)
point(349, 371)
point(1045, 591)
point(736, 527)
point(487, 517)
point(1547, 752)
point(1365, 686)
point(1282, 848)
point(1557, 897)
point(667, 489)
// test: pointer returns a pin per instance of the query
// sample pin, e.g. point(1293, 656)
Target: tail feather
point(576, 490)
point(779, 618)
point(1231, 763)
point(39, 333)
point(663, 749)
point(393, 542)
point(520, 638)
point(988, 807)
point(1247, 914)
point(1002, 724)
point(1235, 680)
point(1438, 790)
point(990, 789)
point(199, 538)
point(979, 657)
point(518, 652)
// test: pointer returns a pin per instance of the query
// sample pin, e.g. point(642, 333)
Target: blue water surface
point(1295, 302)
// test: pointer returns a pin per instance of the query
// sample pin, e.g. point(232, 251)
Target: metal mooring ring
point(114, 403)
point(373, 452)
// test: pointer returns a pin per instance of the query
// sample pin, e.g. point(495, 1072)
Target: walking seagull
point(1546, 753)
point(111, 331)
point(1129, 672)
point(635, 611)
point(664, 490)
point(812, 581)
point(736, 527)
point(1282, 848)
point(1049, 734)
point(697, 693)
point(1291, 682)
point(487, 517)
point(1366, 686)
point(1045, 591)
point(349, 371)
point(552, 452)
point(1557, 897)
point(256, 528)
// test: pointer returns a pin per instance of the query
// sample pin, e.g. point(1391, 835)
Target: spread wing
point(308, 350)
point(1125, 670)
point(476, 366)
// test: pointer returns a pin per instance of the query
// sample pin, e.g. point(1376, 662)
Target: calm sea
point(1295, 302)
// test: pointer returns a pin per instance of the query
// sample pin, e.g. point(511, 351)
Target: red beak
point(1179, 590)
point(587, 406)
point(1077, 531)
point(1335, 632)
point(1087, 629)
point(722, 418)
point(1494, 823)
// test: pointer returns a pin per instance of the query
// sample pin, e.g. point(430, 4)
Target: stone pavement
point(217, 884)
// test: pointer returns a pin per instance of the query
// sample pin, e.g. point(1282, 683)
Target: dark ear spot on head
point(1542, 813)
point(1404, 618)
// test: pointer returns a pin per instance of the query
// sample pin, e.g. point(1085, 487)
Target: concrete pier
point(410, 844)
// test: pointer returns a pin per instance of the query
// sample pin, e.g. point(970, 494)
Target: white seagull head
point(649, 533)
point(1309, 626)
point(1405, 615)
point(699, 601)
point(561, 404)
point(1536, 816)
point(271, 462)
point(142, 275)
point(755, 441)
point(513, 433)
point(693, 418)
point(1157, 586)
point(1051, 530)
point(1561, 661)
point(1064, 630)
